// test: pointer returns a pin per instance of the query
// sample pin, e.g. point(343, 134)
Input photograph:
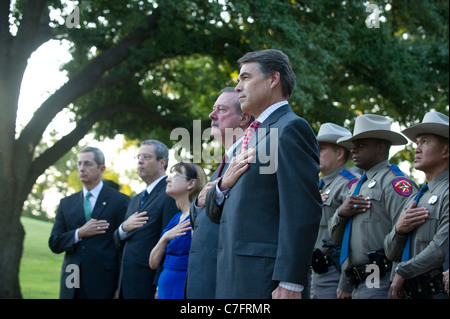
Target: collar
point(152, 185)
point(95, 191)
point(374, 170)
point(328, 179)
point(266, 113)
point(438, 179)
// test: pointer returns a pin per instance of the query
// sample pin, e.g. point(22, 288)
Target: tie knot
point(88, 194)
point(144, 194)
point(424, 188)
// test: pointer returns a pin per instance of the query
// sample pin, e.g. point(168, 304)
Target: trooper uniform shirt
point(428, 241)
point(337, 185)
point(387, 188)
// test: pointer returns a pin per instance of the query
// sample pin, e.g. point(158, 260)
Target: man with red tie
point(228, 125)
point(268, 208)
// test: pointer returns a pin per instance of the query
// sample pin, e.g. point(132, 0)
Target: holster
point(424, 286)
point(356, 275)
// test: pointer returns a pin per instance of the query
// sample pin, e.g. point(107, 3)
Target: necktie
point(407, 248)
point(87, 206)
point(222, 164)
point(348, 225)
point(251, 129)
point(143, 196)
point(322, 182)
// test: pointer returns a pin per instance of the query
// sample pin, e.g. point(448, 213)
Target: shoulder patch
point(402, 186)
point(352, 182)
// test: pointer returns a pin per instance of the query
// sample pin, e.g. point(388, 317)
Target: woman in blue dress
point(186, 181)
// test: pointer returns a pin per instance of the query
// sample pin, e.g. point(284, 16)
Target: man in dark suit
point(147, 215)
point(228, 124)
point(83, 229)
point(269, 208)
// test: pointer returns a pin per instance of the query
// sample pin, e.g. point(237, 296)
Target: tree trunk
point(12, 236)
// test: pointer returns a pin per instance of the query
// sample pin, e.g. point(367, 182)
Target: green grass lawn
point(40, 268)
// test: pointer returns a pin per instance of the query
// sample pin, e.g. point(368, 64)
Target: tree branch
point(80, 84)
point(57, 150)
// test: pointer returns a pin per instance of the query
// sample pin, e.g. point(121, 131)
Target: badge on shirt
point(402, 186)
point(327, 191)
point(372, 183)
point(433, 199)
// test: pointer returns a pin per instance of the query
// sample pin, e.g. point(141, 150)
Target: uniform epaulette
point(349, 176)
point(396, 170)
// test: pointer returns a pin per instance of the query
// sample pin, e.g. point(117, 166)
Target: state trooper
point(418, 242)
point(334, 187)
point(365, 218)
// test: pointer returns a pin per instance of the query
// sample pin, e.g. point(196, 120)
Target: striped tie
point(407, 248)
point(143, 196)
point(348, 226)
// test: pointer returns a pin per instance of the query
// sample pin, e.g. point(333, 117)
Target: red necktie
point(251, 129)
point(222, 164)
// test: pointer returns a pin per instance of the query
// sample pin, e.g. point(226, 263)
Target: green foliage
point(343, 68)
point(40, 268)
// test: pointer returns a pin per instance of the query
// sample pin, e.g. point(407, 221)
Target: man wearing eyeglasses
point(148, 214)
point(83, 229)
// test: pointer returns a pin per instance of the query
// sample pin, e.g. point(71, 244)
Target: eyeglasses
point(145, 157)
point(176, 174)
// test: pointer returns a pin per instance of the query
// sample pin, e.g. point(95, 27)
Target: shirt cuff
point(76, 239)
point(291, 286)
point(220, 195)
point(122, 233)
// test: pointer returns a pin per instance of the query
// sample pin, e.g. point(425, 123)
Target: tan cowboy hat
point(330, 133)
point(374, 126)
point(433, 123)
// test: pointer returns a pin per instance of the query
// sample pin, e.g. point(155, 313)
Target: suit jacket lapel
point(150, 198)
point(264, 128)
point(80, 218)
point(101, 203)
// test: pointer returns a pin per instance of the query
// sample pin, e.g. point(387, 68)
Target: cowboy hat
point(433, 122)
point(374, 126)
point(330, 133)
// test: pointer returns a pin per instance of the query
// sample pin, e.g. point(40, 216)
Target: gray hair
point(237, 104)
point(161, 150)
point(272, 60)
point(99, 158)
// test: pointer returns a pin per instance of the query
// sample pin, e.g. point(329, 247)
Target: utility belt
point(358, 274)
point(321, 262)
point(424, 286)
